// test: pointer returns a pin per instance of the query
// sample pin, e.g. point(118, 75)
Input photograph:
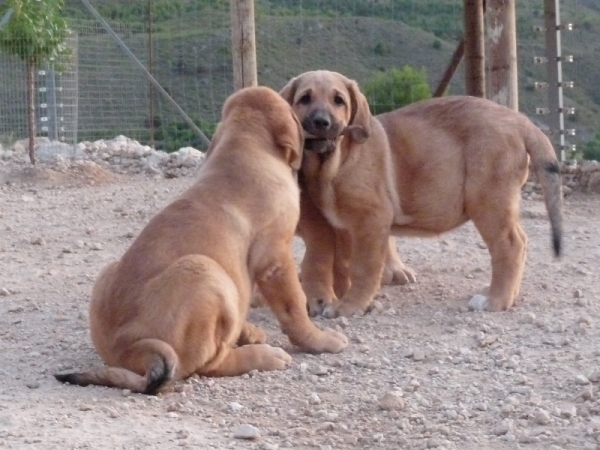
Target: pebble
point(541, 417)
point(569, 412)
point(32, 384)
point(235, 407)
point(502, 428)
point(527, 318)
point(594, 377)
point(246, 432)
point(314, 399)
point(451, 414)
point(392, 401)
point(418, 355)
point(319, 370)
point(582, 380)
point(4, 292)
point(96, 246)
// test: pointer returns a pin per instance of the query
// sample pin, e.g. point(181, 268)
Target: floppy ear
point(292, 145)
point(360, 125)
point(289, 90)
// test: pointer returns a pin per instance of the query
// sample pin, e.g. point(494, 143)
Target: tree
point(36, 33)
point(395, 87)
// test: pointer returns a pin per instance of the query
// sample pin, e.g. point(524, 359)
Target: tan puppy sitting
point(420, 170)
point(176, 303)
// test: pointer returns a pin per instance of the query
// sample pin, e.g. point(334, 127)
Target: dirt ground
point(421, 372)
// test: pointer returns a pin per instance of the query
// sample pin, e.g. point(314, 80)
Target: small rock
point(37, 241)
point(502, 428)
point(96, 246)
point(392, 401)
point(4, 292)
point(418, 355)
point(527, 318)
point(342, 322)
point(582, 380)
point(326, 426)
point(569, 412)
point(314, 399)
point(246, 432)
point(32, 385)
point(541, 417)
point(451, 414)
point(583, 302)
point(577, 293)
point(319, 370)
point(594, 377)
point(235, 407)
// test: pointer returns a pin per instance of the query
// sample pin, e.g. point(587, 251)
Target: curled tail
point(160, 371)
point(545, 165)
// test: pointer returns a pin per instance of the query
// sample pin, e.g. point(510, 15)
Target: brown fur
point(176, 303)
point(420, 170)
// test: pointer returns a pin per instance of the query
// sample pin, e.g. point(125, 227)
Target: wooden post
point(474, 48)
point(452, 66)
point(501, 53)
point(243, 43)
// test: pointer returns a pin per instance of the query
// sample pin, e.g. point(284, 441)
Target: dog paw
point(251, 334)
point(317, 306)
point(398, 274)
point(479, 303)
point(344, 309)
point(272, 358)
point(332, 341)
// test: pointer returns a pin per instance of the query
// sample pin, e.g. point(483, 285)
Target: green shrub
point(437, 44)
point(381, 49)
point(591, 149)
point(395, 87)
point(171, 136)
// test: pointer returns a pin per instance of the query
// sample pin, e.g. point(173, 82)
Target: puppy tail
point(160, 371)
point(547, 169)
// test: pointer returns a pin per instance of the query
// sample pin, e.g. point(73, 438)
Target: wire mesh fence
point(186, 45)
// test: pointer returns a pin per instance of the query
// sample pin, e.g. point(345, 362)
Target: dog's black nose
point(321, 122)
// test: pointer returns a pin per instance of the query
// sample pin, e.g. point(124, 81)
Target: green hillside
point(355, 37)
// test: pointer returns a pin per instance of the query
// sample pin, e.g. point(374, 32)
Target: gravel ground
point(420, 371)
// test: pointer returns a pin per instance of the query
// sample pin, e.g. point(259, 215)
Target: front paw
point(320, 341)
point(331, 341)
point(343, 309)
point(398, 274)
point(317, 305)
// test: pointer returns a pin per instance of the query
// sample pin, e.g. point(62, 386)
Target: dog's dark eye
point(305, 99)
point(339, 100)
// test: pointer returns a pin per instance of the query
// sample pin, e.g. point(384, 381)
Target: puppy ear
point(292, 142)
point(360, 125)
point(289, 90)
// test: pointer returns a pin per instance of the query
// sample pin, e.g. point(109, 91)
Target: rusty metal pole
point(556, 119)
point(243, 42)
point(501, 53)
point(474, 48)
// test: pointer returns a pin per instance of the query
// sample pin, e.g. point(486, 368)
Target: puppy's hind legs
point(232, 362)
